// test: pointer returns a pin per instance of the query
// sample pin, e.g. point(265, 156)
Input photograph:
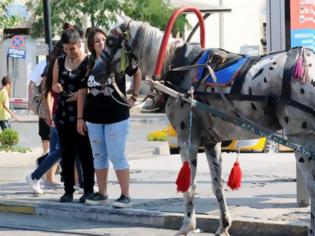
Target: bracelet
point(133, 98)
point(79, 118)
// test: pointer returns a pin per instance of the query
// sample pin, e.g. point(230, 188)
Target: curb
point(148, 218)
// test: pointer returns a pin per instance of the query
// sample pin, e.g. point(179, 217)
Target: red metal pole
point(163, 47)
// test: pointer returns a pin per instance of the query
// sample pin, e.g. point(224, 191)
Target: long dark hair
point(55, 53)
point(90, 40)
point(70, 33)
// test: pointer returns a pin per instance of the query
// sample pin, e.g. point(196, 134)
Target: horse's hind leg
point(213, 153)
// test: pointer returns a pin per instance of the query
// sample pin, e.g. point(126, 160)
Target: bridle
point(119, 40)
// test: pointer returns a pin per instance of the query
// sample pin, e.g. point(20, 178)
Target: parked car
point(248, 145)
point(252, 145)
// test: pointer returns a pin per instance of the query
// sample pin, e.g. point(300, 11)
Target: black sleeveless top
point(66, 112)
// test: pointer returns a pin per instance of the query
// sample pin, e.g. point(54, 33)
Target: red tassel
point(235, 176)
point(183, 178)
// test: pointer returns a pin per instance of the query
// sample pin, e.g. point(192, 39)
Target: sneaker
point(122, 202)
point(83, 198)
point(67, 197)
point(53, 185)
point(96, 199)
point(34, 184)
point(79, 189)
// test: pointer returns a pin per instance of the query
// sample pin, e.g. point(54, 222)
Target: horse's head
point(118, 53)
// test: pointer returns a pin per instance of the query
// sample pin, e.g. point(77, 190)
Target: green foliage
point(9, 138)
point(101, 13)
point(20, 149)
point(158, 135)
point(5, 20)
point(156, 12)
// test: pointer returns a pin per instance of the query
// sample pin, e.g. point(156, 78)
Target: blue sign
point(303, 37)
point(16, 53)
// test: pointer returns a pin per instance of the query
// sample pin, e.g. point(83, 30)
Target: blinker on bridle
point(119, 40)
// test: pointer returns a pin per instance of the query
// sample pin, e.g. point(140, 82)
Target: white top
point(37, 72)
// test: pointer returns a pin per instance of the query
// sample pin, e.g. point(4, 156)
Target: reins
point(112, 81)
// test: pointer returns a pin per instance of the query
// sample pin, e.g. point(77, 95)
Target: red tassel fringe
point(235, 177)
point(183, 178)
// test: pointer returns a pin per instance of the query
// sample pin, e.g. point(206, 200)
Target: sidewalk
point(25, 116)
point(265, 204)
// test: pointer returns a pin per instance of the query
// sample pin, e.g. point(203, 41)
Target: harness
point(236, 120)
point(238, 81)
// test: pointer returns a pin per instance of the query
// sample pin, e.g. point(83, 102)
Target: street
point(25, 225)
point(267, 195)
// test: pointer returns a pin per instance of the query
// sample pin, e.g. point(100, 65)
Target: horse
point(287, 102)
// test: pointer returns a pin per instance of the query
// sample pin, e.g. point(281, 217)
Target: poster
point(302, 15)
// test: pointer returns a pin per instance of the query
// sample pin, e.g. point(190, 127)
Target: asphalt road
point(29, 225)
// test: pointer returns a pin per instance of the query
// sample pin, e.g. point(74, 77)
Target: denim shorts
point(108, 142)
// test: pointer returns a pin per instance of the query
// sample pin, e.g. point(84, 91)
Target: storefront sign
point(302, 15)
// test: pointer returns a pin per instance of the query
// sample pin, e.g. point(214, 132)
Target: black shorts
point(43, 129)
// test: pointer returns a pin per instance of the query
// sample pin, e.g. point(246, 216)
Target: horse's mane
point(148, 46)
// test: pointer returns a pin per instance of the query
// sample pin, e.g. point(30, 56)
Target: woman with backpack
point(49, 164)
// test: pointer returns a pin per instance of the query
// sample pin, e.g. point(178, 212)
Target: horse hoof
point(222, 234)
point(185, 229)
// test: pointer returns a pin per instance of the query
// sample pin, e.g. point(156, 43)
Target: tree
point(101, 13)
point(156, 12)
point(5, 20)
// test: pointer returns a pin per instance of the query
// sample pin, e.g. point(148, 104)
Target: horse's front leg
point(307, 169)
point(214, 159)
point(189, 153)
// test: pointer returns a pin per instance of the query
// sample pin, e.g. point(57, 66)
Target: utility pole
point(221, 26)
point(47, 22)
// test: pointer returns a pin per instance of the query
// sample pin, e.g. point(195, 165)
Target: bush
point(9, 138)
point(159, 135)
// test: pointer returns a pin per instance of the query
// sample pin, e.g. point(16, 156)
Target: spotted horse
point(265, 90)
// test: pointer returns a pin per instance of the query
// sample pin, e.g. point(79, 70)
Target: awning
point(202, 5)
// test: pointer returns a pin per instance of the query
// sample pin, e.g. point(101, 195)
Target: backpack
point(37, 102)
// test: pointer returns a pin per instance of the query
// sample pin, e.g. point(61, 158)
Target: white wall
point(242, 26)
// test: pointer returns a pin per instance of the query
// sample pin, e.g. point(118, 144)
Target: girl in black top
point(105, 117)
point(67, 72)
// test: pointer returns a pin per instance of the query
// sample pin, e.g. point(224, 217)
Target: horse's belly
point(227, 131)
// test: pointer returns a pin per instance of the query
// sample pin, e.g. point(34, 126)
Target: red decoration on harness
point(235, 177)
point(300, 71)
point(183, 178)
point(299, 68)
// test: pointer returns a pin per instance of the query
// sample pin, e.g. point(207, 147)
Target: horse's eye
point(110, 42)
